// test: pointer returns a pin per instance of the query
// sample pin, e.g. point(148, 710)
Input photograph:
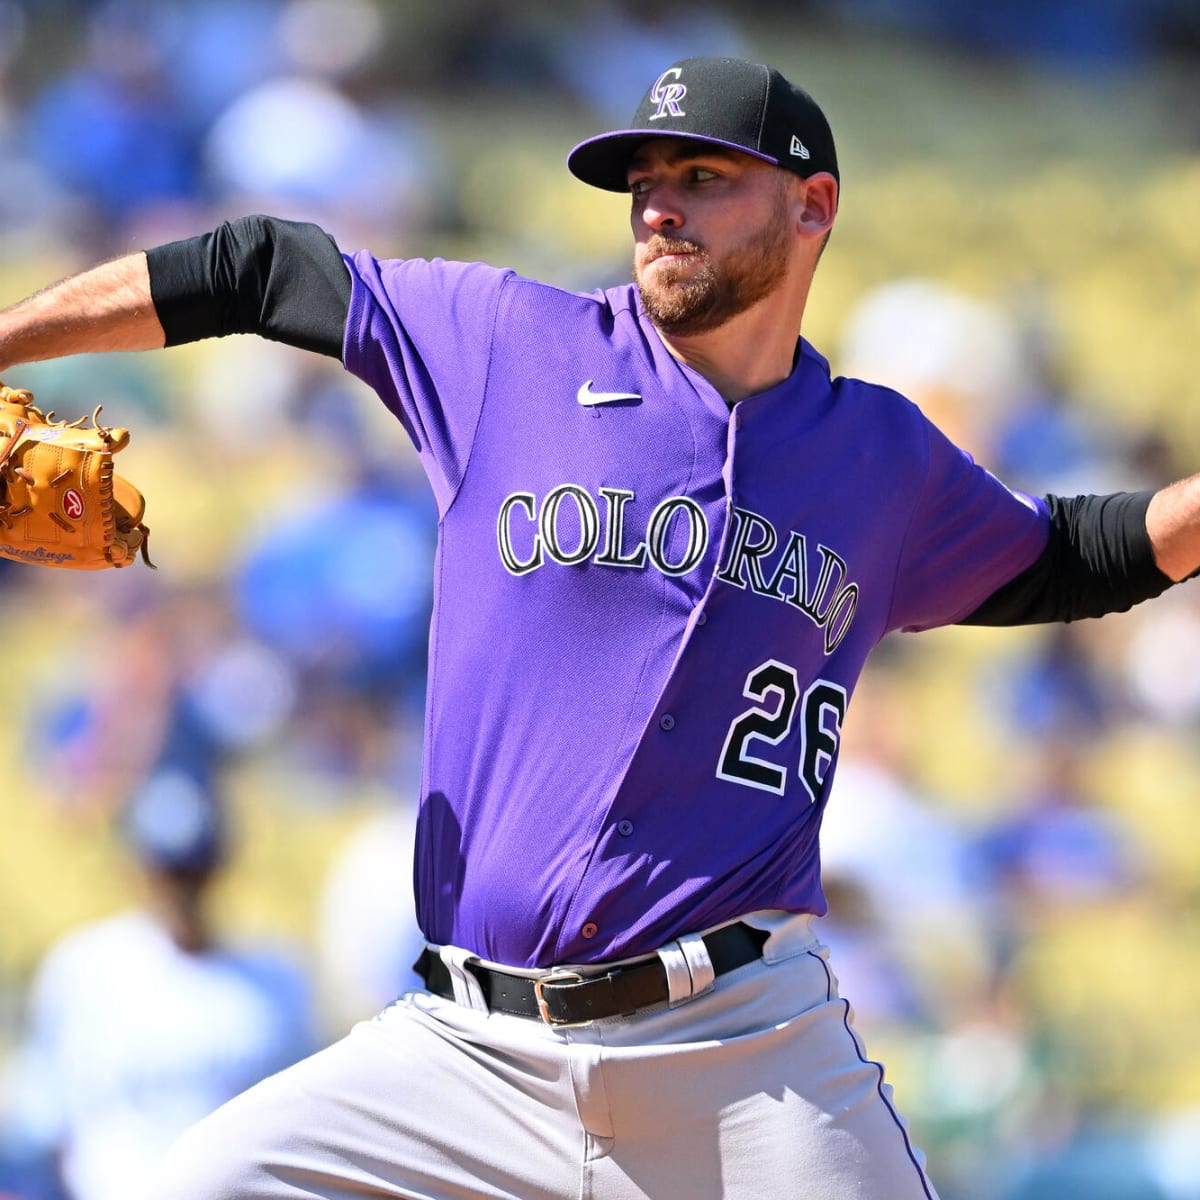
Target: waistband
point(562, 996)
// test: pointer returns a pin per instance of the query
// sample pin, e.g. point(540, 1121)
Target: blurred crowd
point(210, 771)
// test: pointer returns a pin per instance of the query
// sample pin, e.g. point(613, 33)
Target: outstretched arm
point(282, 280)
point(1098, 559)
point(1104, 554)
point(107, 308)
point(1173, 525)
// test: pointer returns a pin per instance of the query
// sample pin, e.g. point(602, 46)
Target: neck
point(178, 904)
point(749, 353)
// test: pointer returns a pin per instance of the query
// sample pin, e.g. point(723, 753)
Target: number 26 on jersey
point(822, 709)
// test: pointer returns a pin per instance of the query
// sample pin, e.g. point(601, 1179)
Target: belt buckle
point(543, 1008)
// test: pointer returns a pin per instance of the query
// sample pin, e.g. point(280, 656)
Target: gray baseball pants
point(758, 1088)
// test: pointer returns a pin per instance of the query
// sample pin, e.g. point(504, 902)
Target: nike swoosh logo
point(589, 399)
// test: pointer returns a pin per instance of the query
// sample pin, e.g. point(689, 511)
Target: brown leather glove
point(61, 504)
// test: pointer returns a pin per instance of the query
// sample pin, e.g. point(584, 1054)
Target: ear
point(816, 205)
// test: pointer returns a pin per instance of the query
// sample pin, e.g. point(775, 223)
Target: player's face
point(712, 233)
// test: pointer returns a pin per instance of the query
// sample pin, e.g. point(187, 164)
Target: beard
point(702, 294)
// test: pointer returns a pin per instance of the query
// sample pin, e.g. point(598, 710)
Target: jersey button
point(667, 722)
point(624, 828)
point(590, 929)
point(702, 618)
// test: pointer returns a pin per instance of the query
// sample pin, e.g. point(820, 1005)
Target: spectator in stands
point(143, 1022)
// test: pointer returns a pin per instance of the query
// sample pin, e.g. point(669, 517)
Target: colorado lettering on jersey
point(830, 601)
point(529, 534)
point(548, 539)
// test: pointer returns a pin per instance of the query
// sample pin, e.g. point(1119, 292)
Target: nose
point(662, 209)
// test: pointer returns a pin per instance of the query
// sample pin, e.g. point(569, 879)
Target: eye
point(703, 174)
point(639, 187)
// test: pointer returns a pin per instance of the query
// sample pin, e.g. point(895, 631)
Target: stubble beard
point(704, 294)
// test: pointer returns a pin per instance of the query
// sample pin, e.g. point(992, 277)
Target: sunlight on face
point(701, 291)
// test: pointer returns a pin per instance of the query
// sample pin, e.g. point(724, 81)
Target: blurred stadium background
point(1014, 844)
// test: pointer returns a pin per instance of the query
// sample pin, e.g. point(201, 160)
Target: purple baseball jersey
point(650, 611)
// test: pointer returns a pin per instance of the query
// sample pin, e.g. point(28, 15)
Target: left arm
point(1103, 554)
point(1173, 526)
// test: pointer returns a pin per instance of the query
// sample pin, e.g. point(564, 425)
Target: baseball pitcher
point(668, 541)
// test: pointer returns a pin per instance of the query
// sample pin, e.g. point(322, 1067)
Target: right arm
point(107, 308)
point(282, 280)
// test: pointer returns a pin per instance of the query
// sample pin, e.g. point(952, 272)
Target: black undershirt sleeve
point(282, 280)
point(1098, 560)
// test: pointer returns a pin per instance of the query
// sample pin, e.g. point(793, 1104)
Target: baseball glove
point(61, 505)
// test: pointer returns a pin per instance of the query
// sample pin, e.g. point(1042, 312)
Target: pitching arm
point(1173, 526)
point(1103, 554)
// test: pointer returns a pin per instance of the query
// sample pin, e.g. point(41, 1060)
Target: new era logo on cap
point(726, 101)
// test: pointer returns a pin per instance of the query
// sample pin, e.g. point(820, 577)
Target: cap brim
point(603, 161)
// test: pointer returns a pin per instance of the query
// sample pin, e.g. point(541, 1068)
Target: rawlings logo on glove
point(61, 504)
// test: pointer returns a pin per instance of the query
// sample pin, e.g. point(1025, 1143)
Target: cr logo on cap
point(668, 95)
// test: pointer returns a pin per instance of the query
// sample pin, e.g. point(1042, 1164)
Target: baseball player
point(668, 541)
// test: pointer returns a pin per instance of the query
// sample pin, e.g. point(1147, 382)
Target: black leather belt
point(563, 997)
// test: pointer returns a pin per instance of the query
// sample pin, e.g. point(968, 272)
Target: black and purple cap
point(726, 101)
